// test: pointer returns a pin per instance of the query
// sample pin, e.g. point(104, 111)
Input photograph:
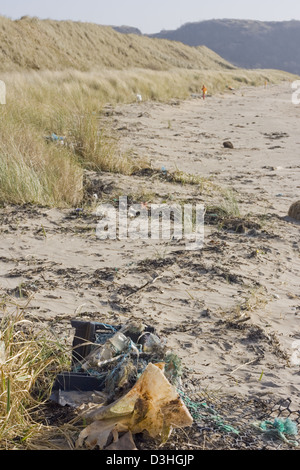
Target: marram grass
point(29, 362)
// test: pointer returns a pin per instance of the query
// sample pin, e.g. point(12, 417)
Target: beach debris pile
point(123, 382)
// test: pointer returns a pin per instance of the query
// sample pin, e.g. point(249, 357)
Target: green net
point(280, 428)
point(237, 423)
point(202, 412)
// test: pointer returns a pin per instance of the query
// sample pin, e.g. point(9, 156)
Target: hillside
point(35, 44)
point(127, 30)
point(247, 44)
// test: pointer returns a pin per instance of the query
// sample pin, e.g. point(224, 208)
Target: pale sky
point(151, 16)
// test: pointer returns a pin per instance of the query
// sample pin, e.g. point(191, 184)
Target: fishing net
point(223, 422)
point(117, 357)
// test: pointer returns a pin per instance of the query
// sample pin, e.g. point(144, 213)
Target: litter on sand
point(279, 428)
point(124, 381)
point(152, 405)
point(55, 138)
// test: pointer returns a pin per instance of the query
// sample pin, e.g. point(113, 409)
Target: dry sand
point(230, 311)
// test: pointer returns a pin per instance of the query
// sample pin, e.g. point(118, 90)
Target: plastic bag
point(152, 405)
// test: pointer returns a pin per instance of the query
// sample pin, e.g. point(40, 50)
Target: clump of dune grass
point(29, 362)
point(38, 169)
point(94, 147)
point(230, 204)
point(30, 169)
point(41, 176)
point(181, 177)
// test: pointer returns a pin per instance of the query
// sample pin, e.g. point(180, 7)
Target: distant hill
point(30, 43)
point(246, 44)
point(127, 30)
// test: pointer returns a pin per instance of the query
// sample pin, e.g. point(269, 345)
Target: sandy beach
point(231, 310)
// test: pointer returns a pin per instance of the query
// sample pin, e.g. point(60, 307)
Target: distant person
point(204, 91)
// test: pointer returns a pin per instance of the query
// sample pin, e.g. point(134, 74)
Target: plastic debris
point(100, 433)
point(55, 138)
point(151, 343)
point(201, 412)
point(110, 359)
point(122, 357)
point(152, 405)
point(279, 428)
point(125, 379)
point(286, 426)
point(110, 351)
